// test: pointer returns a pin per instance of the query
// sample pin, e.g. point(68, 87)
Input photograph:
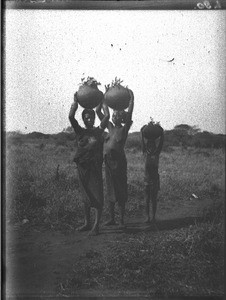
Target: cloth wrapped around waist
point(90, 177)
point(115, 160)
point(116, 176)
point(88, 153)
point(84, 157)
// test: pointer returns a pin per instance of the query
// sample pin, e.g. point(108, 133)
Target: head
point(146, 142)
point(88, 117)
point(119, 117)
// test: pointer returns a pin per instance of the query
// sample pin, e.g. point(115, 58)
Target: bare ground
point(39, 259)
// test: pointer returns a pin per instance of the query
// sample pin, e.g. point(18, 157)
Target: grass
point(42, 177)
point(32, 184)
point(184, 262)
point(42, 187)
point(181, 175)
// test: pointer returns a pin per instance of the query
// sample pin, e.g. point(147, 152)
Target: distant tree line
point(182, 135)
point(190, 136)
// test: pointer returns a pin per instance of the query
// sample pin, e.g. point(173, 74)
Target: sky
point(49, 51)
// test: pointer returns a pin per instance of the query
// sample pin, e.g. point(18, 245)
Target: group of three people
point(93, 147)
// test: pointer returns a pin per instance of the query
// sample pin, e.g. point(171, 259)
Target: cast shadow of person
point(158, 225)
point(161, 225)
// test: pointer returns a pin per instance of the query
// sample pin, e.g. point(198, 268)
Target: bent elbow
point(71, 118)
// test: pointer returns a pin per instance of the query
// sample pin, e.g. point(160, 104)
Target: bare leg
point(121, 215)
point(154, 193)
point(87, 224)
point(112, 214)
point(147, 200)
point(95, 229)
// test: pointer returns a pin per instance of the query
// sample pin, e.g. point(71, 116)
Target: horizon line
point(134, 131)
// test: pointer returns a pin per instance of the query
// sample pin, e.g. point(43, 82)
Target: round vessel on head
point(88, 94)
point(117, 96)
point(152, 131)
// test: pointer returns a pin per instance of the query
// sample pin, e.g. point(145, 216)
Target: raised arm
point(130, 111)
point(99, 112)
point(131, 105)
point(106, 116)
point(73, 121)
point(142, 140)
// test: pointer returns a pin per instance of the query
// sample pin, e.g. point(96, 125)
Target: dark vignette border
point(115, 4)
point(3, 160)
point(78, 5)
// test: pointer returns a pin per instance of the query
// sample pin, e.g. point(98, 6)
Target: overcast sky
point(49, 51)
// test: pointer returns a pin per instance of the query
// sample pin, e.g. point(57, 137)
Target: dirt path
point(38, 260)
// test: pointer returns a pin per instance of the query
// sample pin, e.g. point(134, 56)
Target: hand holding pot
point(75, 101)
point(131, 95)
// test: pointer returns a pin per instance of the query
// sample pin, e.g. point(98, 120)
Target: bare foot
point(154, 225)
point(84, 227)
point(110, 222)
point(94, 232)
point(147, 221)
point(121, 225)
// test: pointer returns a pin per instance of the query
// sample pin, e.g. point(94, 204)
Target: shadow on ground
point(160, 225)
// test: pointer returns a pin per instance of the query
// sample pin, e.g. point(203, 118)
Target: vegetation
point(42, 189)
point(184, 262)
point(182, 135)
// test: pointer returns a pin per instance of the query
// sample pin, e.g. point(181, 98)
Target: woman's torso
point(89, 145)
point(115, 140)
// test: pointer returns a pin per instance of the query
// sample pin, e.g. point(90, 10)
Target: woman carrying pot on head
point(89, 160)
point(115, 159)
point(152, 142)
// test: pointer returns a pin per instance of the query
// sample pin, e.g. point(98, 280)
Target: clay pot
point(152, 131)
point(89, 96)
point(117, 97)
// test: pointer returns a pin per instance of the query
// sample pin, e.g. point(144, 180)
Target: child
point(152, 146)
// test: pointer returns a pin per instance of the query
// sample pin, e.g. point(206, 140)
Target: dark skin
point(115, 132)
point(89, 120)
point(151, 191)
